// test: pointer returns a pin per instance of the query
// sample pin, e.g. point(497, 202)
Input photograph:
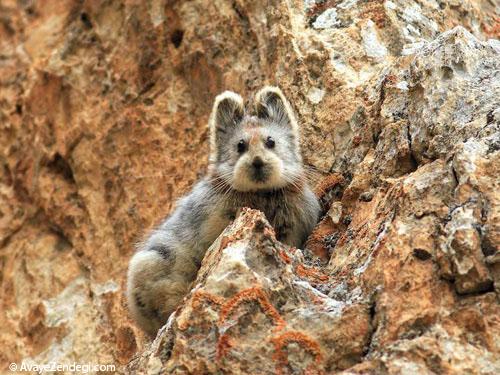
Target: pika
point(255, 162)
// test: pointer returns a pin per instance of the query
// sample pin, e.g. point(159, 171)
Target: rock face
point(103, 112)
point(258, 308)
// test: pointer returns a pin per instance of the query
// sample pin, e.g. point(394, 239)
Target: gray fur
point(161, 272)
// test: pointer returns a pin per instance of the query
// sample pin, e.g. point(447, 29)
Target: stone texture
point(103, 112)
point(257, 308)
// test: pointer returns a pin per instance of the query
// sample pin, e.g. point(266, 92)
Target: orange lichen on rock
point(201, 295)
point(304, 341)
point(312, 274)
point(327, 184)
point(375, 10)
point(494, 30)
point(269, 232)
point(223, 346)
point(316, 241)
point(252, 294)
point(225, 242)
point(284, 256)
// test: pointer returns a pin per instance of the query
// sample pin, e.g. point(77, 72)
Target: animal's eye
point(270, 142)
point(242, 146)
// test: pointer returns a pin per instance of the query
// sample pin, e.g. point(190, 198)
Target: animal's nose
point(257, 163)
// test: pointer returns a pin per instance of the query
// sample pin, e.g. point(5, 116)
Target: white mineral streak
point(371, 43)
point(327, 19)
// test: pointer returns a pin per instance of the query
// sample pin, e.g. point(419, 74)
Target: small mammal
point(255, 162)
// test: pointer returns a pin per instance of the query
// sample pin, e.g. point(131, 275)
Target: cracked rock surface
point(103, 113)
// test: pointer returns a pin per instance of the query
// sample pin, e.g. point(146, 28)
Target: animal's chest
point(277, 212)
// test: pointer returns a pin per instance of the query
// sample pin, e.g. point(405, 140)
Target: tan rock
point(255, 309)
point(103, 112)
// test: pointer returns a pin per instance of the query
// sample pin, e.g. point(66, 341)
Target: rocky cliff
point(103, 112)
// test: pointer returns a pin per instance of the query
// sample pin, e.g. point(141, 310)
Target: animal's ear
point(227, 113)
point(270, 103)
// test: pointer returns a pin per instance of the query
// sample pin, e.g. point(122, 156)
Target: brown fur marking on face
point(251, 126)
point(254, 136)
point(251, 122)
